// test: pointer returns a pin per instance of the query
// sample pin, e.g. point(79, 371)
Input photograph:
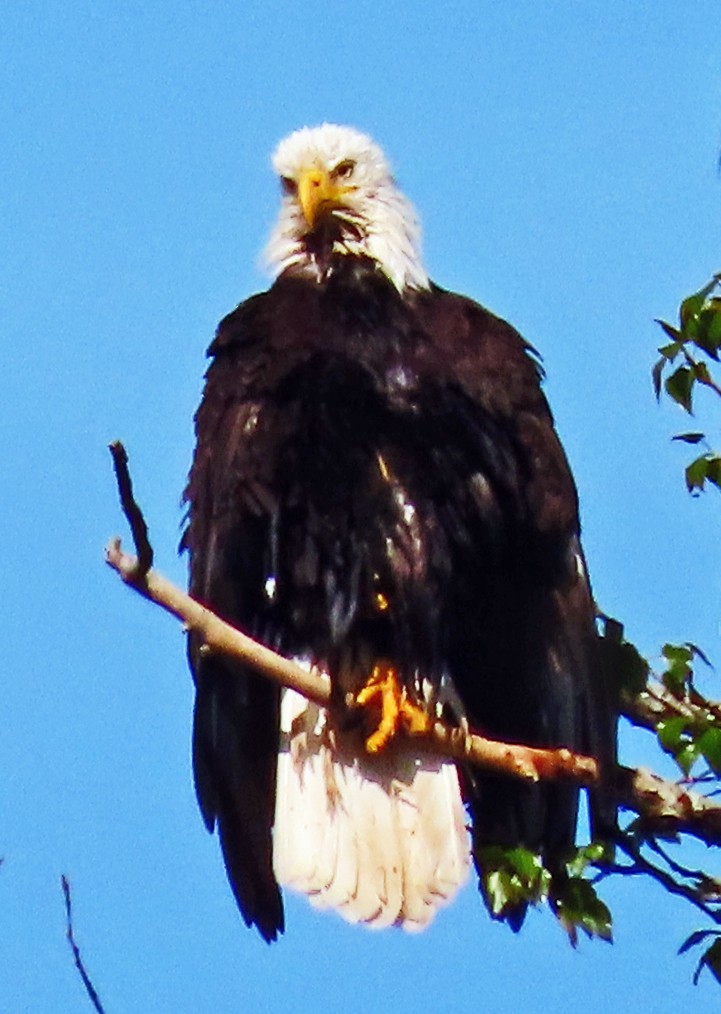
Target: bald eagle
point(378, 491)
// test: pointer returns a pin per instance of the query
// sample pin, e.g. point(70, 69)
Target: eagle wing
point(235, 729)
point(522, 641)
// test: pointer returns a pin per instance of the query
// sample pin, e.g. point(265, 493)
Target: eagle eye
point(288, 186)
point(344, 169)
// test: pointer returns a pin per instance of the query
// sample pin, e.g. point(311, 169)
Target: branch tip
point(70, 934)
point(130, 508)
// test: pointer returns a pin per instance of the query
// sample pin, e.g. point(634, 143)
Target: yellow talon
point(415, 720)
point(384, 690)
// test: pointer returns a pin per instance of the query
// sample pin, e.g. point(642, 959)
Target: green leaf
point(710, 286)
point(623, 666)
point(510, 879)
point(526, 863)
point(595, 851)
point(713, 470)
point(670, 733)
point(690, 438)
point(679, 386)
point(691, 307)
point(709, 744)
point(712, 960)
point(678, 666)
point(697, 652)
point(678, 652)
point(708, 336)
point(696, 474)
point(498, 891)
point(675, 737)
point(585, 856)
point(670, 352)
point(633, 669)
point(579, 907)
point(687, 757)
point(695, 938)
point(656, 373)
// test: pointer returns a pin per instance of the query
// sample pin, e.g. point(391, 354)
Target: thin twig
point(131, 510)
point(694, 364)
point(643, 865)
point(708, 887)
point(89, 988)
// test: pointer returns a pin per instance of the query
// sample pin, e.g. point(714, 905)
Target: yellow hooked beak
point(318, 193)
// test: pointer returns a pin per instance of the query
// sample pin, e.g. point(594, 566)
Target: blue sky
point(563, 157)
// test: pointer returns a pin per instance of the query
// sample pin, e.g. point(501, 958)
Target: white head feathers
point(369, 214)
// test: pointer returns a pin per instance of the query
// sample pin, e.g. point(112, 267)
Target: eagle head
point(339, 197)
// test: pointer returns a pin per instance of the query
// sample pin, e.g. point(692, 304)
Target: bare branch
point(132, 512)
point(531, 763)
point(668, 807)
point(655, 703)
point(89, 988)
point(663, 806)
point(708, 887)
point(522, 761)
point(217, 635)
point(642, 865)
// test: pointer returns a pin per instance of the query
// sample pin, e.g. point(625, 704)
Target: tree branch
point(663, 806)
point(69, 933)
point(642, 865)
point(666, 807)
point(217, 635)
point(131, 510)
point(531, 763)
point(656, 703)
point(521, 761)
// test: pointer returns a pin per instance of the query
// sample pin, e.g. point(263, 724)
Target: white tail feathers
point(381, 839)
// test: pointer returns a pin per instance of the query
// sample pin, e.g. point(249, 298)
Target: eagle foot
point(384, 692)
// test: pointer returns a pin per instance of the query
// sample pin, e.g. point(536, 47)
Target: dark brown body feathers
point(352, 441)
